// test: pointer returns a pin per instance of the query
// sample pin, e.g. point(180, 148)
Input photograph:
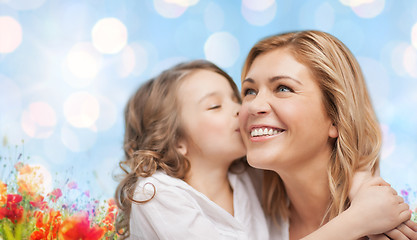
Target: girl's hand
point(407, 229)
point(377, 205)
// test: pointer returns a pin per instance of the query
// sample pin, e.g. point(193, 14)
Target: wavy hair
point(152, 130)
point(348, 105)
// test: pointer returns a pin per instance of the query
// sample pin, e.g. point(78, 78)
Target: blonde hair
point(152, 129)
point(348, 105)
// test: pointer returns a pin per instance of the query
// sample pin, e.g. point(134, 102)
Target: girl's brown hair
point(348, 105)
point(152, 130)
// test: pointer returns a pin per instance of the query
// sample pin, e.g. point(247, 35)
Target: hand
point(378, 206)
point(406, 230)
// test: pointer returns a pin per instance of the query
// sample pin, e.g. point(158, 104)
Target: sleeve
point(171, 214)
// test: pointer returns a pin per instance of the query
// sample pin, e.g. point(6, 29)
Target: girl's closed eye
point(214, 106)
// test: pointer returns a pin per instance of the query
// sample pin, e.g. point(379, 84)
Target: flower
point(29, 180)
point(12, 210)
point(3, 191)
point(78, 227)
point(55, 194)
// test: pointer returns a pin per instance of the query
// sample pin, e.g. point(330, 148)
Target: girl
point(307, 117)
point(184, 169)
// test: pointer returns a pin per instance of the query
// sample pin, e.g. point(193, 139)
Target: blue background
point(64, 95)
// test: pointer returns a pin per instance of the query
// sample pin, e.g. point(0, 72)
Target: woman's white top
point(178, 211)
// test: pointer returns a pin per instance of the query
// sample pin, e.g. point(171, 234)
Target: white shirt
point(178, 211)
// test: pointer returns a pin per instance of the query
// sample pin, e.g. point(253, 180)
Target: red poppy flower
point(78, 227)
point(12, 210)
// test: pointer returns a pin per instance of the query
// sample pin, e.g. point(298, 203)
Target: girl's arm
point(375, 208)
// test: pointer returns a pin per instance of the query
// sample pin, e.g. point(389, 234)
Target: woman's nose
point(259, 105)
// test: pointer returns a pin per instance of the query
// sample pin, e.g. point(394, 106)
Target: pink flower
point(72, 185)
point(55, 194)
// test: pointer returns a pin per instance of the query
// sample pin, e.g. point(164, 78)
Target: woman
point(307, 117)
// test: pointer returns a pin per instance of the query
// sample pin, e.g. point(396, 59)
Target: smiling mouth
point(261, 132)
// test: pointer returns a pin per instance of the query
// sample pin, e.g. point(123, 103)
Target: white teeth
point(264, 132)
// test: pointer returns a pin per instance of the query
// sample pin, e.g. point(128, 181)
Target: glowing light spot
point(140, 58)
point(222, 48)
point(168, 10)
point(183, 3)
point(54, 150)
point(39, 120)
point(167, 63)
point(109, 35)
point(414, 35)
point(108, 114)
point(410, 61)
point(10, 34)
point(355, 3)
point(10, 98)
point(259, 17)
point(39, 179)
point(397, 59)
point(25, 4)
point(126, 62)
point(324, 17)
point(259, 5)
point(81, 110)
point(377, 80)
point(388, 145)
point(78, 140)
point(367, 8)
point(213, 17)
point(83, 61)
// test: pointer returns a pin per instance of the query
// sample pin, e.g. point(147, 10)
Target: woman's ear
point(333, 132)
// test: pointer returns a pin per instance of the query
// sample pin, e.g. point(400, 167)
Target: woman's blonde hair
point(152, 130)
point(348, 105)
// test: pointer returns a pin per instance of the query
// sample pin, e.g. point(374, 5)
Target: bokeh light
point(10, 34)
point(109, 35)
point(259, 5)
point(168, 10)
point(140, 58)
point(10, 98)
point(39, 120)
point(365, 8)
point(410, 61)
point(78, 140)
point(83, 61)
point(414, 35)
point(183, 3)
point(213, 17)
point(108, 114)
point(259, 13)
point(81, 110)
point(377, 80)
point(388, 141)
point(222, 48)
point(126, 62)
point(324, 17)
point(25, 4)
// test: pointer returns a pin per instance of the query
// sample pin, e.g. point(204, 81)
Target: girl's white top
point(178, 211)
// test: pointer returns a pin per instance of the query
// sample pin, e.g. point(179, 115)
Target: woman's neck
point(308, 191)
point(213, 183)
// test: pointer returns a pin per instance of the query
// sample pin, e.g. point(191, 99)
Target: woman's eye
point(249, 91)
point(282, 88)
point(215, 107)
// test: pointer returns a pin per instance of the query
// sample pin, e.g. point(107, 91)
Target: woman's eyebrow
point(248, 80)
point(279, 77)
